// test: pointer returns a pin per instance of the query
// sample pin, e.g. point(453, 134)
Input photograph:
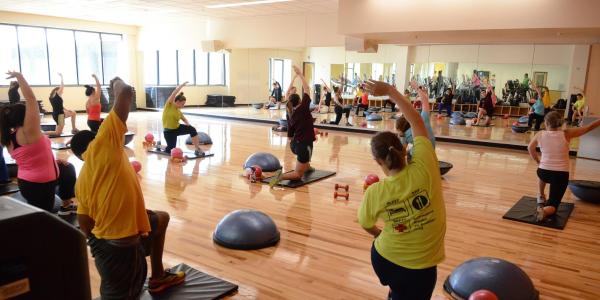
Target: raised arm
point(379, 88)
point(123, 96)
point(325, 84)
point(423, 95)
point(305, 85)
point(290, 88)
point(31, 123)
point(98, 92)
point(175, 92)
point(537, 90)
point(577, 132)
point(62, 85)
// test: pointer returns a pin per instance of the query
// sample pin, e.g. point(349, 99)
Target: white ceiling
point(140, 12)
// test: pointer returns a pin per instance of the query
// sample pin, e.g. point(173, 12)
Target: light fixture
point(245, 3)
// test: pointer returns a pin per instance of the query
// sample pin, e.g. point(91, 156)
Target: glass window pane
point(287, 74)
point(150, 68)
point(89, 58)
point(276, 71)
point(185, 59)
point(201, 68)
point(216, 72)
point(167, 67)
point(34, 58)
point(61, 47)
point(112, 60)
point(9, 54)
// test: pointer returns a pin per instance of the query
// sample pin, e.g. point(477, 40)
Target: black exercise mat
point(308, 177)
point(60, 146)
point(9, 188)
point(524, 211)
point(197, 285)
point(188, 154)
point(60, 136)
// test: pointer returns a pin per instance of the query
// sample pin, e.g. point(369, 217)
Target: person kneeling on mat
point(407, 250)
point(553, 167)
point(486, 109)
point(172, 128)
point(93, 106)
point(59, 112)
point(39, 173)
point(112, 213)
point(300, 129)
point(403, 126)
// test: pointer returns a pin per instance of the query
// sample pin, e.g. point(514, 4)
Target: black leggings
point(172, 134)
point(94, 125)
point(41, 195)
point(339, 111)
point(413, 284)
point(558, 181)
point(538, 120)
point(361, 105)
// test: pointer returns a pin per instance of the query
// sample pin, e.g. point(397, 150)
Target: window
point(167, 67)
point(41, 53)
point(281, 71)
point(185, 65)
point(150, 65)
point(201, 68)
point(216, 74)
point(89, 56)
point(9, 52)
point(377, 72)
point(111, 61)
point(61, 51)
point(33, 54)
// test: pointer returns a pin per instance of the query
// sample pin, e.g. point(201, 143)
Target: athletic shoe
point(168, 280)
point(275, 180)
point(74, 131)
point(199, 152)
point(67, 210)
point(310, 169)
point(349, 124)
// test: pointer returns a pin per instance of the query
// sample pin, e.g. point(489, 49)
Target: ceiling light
point(245, 3)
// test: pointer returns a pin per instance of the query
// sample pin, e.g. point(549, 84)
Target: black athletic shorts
point(122, 268)
point(303, 150)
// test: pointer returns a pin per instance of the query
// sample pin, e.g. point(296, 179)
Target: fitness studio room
point(300, 149)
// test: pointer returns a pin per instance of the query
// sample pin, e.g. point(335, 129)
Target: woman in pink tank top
point(553, 166)
point(38, 174)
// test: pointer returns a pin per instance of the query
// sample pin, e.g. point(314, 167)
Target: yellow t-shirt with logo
point(171, 116)
point(107, 188)
point(412, 207)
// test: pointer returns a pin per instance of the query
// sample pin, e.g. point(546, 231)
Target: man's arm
point(123, 96)
point(86, 224)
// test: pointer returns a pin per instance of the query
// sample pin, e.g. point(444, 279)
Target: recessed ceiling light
point(245, 3)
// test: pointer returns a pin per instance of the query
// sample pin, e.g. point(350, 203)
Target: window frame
point(195, 73)
point(45, 28)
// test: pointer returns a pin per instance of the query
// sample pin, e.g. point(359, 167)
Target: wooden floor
point(323, 253)
point(500, 132)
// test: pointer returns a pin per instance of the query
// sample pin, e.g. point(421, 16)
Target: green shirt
point(411, 205)
point(171, 116)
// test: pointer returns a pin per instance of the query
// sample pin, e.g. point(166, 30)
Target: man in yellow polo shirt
point(111, 210)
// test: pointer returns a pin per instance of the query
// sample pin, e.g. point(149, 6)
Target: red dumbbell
point(342, 186)
point(336, 195)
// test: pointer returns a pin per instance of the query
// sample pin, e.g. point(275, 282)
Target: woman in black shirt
point(13, 92)
point(59, 112)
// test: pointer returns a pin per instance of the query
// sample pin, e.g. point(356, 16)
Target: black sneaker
point(199, 152)
point(67, 210)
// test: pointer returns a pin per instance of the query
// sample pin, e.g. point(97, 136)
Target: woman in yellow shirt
point(406, 251)
point(170, 118)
